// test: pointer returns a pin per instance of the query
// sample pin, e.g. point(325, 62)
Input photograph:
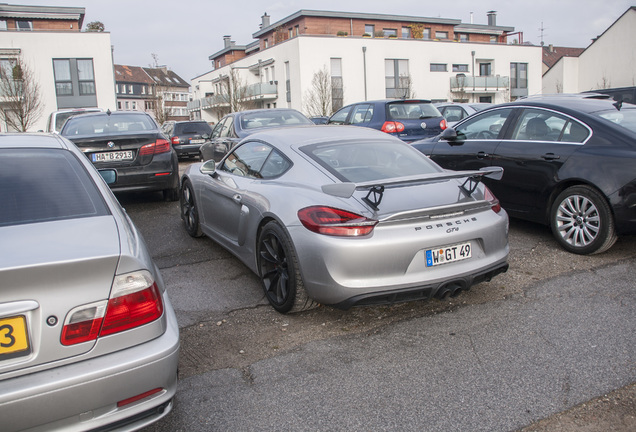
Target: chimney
point(227, 41)
point(265, 21)
point(551, 48)
point(471, 18)
point(492, 18)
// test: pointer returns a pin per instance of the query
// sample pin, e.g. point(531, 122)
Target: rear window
point(625, 117)
point(415, 110)
point(368, 161)
point(272, 119)
point(60, 118)
point(107, 124)
point(40, 185)
point(199, 128)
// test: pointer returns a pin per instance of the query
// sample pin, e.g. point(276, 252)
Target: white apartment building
point(367, 57)
point(74, 69)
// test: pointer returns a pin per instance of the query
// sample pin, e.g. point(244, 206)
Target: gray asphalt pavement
point(488, 367)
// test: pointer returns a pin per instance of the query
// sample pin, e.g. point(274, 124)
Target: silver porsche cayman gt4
point(346, 216)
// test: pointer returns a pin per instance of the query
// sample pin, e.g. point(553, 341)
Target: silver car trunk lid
point(44, 280)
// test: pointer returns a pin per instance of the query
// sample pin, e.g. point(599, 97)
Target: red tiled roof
point(131, 74)
point(552, 54)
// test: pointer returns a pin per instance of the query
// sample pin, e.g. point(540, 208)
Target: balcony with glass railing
point(479, 84)
point(253, 92)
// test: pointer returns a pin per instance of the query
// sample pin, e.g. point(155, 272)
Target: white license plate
point(113, 156)
point(197, 141)
point(448, 254)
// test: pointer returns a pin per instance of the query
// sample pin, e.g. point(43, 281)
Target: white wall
point(309, 54)
point(563, 77)
point(611, 60)
point(38, 49)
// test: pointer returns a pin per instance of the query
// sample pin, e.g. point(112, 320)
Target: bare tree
point(318, 99)
point(235, 95)
point(405, 90)
point(21, 99)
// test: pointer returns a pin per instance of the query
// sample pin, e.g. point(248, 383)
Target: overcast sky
point(184, 33)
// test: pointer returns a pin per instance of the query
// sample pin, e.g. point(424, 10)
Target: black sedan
point(568, 161)
point(131, 144)
point(236, 126)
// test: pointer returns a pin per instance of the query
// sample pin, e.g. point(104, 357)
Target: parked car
point(57, 118)
point(568, 162)
point(319, 120)
point(456, 111)
point(236, 126)
point(130, 143)
point(407, 119)
point(88, 337)
point(346, 216)
point(187, 137)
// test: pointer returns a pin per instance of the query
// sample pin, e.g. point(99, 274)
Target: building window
point(127, 105)
point(426, 33)
point(337, 90)
point(369, 29)
point(462, 37)
point(460, 68)
point(86, 76)
point(118, 105)
point(406, 33)
point(493, 39)
point(134, 105)
point(290, 32)
point(63, 81)
point(287, 83)
point(388, 32)
point(438, 67)
point(23, 25)
point(297, 30)
point(441, 35)
point(3, 24)
point(143, 89)
point(485, 69)
point(397, 78)
point(518, 75)
point(265, 42)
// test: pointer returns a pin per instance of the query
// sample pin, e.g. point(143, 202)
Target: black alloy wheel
point(279, 272)
point(189, 210)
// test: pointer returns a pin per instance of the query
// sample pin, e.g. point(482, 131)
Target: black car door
point(477, 139)
point(539, 143)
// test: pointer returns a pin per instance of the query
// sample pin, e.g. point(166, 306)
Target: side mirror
point(449, 134)
point(208, 167)
point(109, 176)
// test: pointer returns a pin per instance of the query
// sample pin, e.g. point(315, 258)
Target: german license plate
point(13, 337)
point(448, 254)
point(112, 156)
point(197, 141)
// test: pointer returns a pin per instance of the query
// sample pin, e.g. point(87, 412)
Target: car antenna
point(108, 112)
point(618, 104)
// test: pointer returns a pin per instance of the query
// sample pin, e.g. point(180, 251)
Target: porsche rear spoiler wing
point(376, 190)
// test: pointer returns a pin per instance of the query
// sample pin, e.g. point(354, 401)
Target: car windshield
point(415, 110)
point(40, 185)
point(272, 118)
point(107, 124)
point(625, 117)
point(368, 161)
point(198, 128)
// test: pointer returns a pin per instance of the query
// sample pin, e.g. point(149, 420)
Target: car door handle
point(551, 156)
point(482, 155)
point(237, 198)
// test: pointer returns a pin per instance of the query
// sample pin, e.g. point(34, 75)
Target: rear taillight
point(392, 127)
point(442, 124)
point(135, 300)
point(335, 222)
point(159, 146)
point(175, 140)
point(494, 202)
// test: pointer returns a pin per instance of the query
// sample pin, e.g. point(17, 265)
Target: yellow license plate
point(13, 337)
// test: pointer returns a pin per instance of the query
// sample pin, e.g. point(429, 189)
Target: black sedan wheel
point(582, 221)
point(189, 211)
point(279, 273)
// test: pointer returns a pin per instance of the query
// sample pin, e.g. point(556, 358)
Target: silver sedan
point(346, 216)
point(88, 338)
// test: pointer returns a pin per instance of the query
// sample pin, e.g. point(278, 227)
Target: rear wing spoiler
point(376, 190)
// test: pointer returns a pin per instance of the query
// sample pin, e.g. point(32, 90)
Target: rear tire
point(279, 271)
point(582, 221)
